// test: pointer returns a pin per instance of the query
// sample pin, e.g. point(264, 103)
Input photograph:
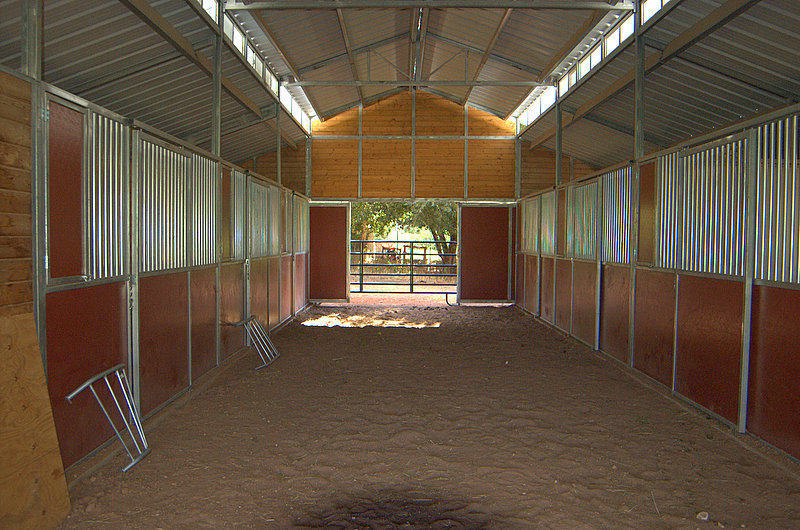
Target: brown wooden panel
point(86, 330)
point(293, 167)
point(274, 292)
point(343, 123)
point(163, 338)
point(774, 390)
point(231, 298)
point(286, 287)
point(334, 168)
point(584, 301)
point(539, 169)
point(647, 212)
point(484, 253)
point(65, 191)
point(386, 168)
point(33, 491)
point(614, 311)
point(563, 310)
point(204, 321)
point(259, 290)
point(438, 116)
point(547, 286)
point(484, 124)
point(708, 354)
point(299, 281)
point(532, 283)
point(654, 323)
point(439, 168)
point(266, 165)
point(390, 115)
point(491, 169)
point(328, 253)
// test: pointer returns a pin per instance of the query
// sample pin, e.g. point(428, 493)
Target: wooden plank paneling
point(654, 321)
point(391, 115)
point(485, 124)
point(439, 167)
point(266, 165)
point(491, 169)
point(539, 169)
point(386, 168)
point(343, 123)
point(484, 253)
point(334, 168)
point(438, 116)
point(293, 167)
point(614, 313)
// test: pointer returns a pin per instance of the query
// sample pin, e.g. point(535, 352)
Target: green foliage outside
point(378, 218)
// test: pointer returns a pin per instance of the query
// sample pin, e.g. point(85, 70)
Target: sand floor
point(471, 417)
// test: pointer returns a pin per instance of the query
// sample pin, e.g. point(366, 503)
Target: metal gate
point(403, 267)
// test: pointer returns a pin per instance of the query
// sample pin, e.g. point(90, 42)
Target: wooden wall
point(413, 165)
point(32, 485)
point(293, 166)
point(539, 169)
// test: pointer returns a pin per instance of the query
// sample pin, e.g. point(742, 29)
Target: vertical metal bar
point(134, 213)
point(559, 142)
point(413, 142)
point(216, 80)
point(32, 38)
point(466, 152)
point(308, 168)
point(126, 393)
point(411, 268)
point(113, 426)
point(361, 271)
point(518, 168)
point(360, 149)
point(511, 255)
point(279, 145)
point(122, 414)
point(750, 195)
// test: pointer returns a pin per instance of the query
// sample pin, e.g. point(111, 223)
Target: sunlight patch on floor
point(362, 321)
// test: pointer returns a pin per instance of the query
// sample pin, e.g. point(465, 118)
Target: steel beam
point(488, 52)
point(346, 39)
point(478, 51)
point(432, 4)
point(704, 27)
point(355, 51)
point(216, 97)
point(175, 38)
point(458, 82)
point(559, 143)
point(32, 53)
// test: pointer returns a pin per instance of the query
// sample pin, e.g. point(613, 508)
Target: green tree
point(439, 218)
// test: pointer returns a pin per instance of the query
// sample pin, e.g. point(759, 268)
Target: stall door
point(328, 258)
point(486, 239)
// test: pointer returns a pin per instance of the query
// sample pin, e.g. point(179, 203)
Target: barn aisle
point(438, 417)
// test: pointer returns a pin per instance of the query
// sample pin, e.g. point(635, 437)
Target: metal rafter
point(289, 64)
point(561, 54)
point(346, 39)
point(713, 21)
point(436, 82)
point(432, 4)
point(169, 33)
point(488, 52)
point(477, 51)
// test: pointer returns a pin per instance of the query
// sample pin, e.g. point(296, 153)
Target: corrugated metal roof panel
point(11, 34)
point(473, 27)
point(305, 37)
point(367, 26)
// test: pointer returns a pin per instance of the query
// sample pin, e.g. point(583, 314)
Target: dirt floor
point(471, 417)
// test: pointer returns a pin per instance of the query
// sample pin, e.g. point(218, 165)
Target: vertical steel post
point(749, 272)
point(559, 143)
point(466, 152)
point(308, 167)
point(638, 153)
point(216, 79)
point(518, 168)
point(411, 269)
point(278, 171)
point(413, 141)
point(32, 53)
point(361, 271)
point(360, 148)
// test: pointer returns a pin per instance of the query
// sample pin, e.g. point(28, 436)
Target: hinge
point(45, 115)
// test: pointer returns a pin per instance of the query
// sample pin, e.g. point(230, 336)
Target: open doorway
point(400, 248)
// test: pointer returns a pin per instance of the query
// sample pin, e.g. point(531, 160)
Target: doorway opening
point(401, 248)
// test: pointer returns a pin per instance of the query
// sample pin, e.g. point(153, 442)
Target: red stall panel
point(231, 308)
point(531, 269)
point(709, 343)
point(260, 290)
point(563, 294)
point(286, 287)
point(328, 253)
point(65, 191)
point(86, 334)
point(299, 281)
point(484, 252)
point(614, 307)
point(204, 321)
point(163, 338)
point(772, 405)
point(584, 301)
point(274, 292)
point(547, 282)
point(654, 324)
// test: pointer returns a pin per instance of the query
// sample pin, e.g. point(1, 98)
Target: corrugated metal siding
point(778, 215)
point(204, 210)
point(583, 220)
point(106, 189)
point(238, 212)
point(274, 220)
point(669, 213)
point(617, 216)
point(713, 209)
point(548, 223)
point(162, 208)
point(259, 220)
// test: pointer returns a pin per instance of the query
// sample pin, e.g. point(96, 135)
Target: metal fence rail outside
point(404, 259)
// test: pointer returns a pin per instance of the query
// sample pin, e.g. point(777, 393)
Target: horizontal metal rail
point(409, 259)
point(433, 4)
